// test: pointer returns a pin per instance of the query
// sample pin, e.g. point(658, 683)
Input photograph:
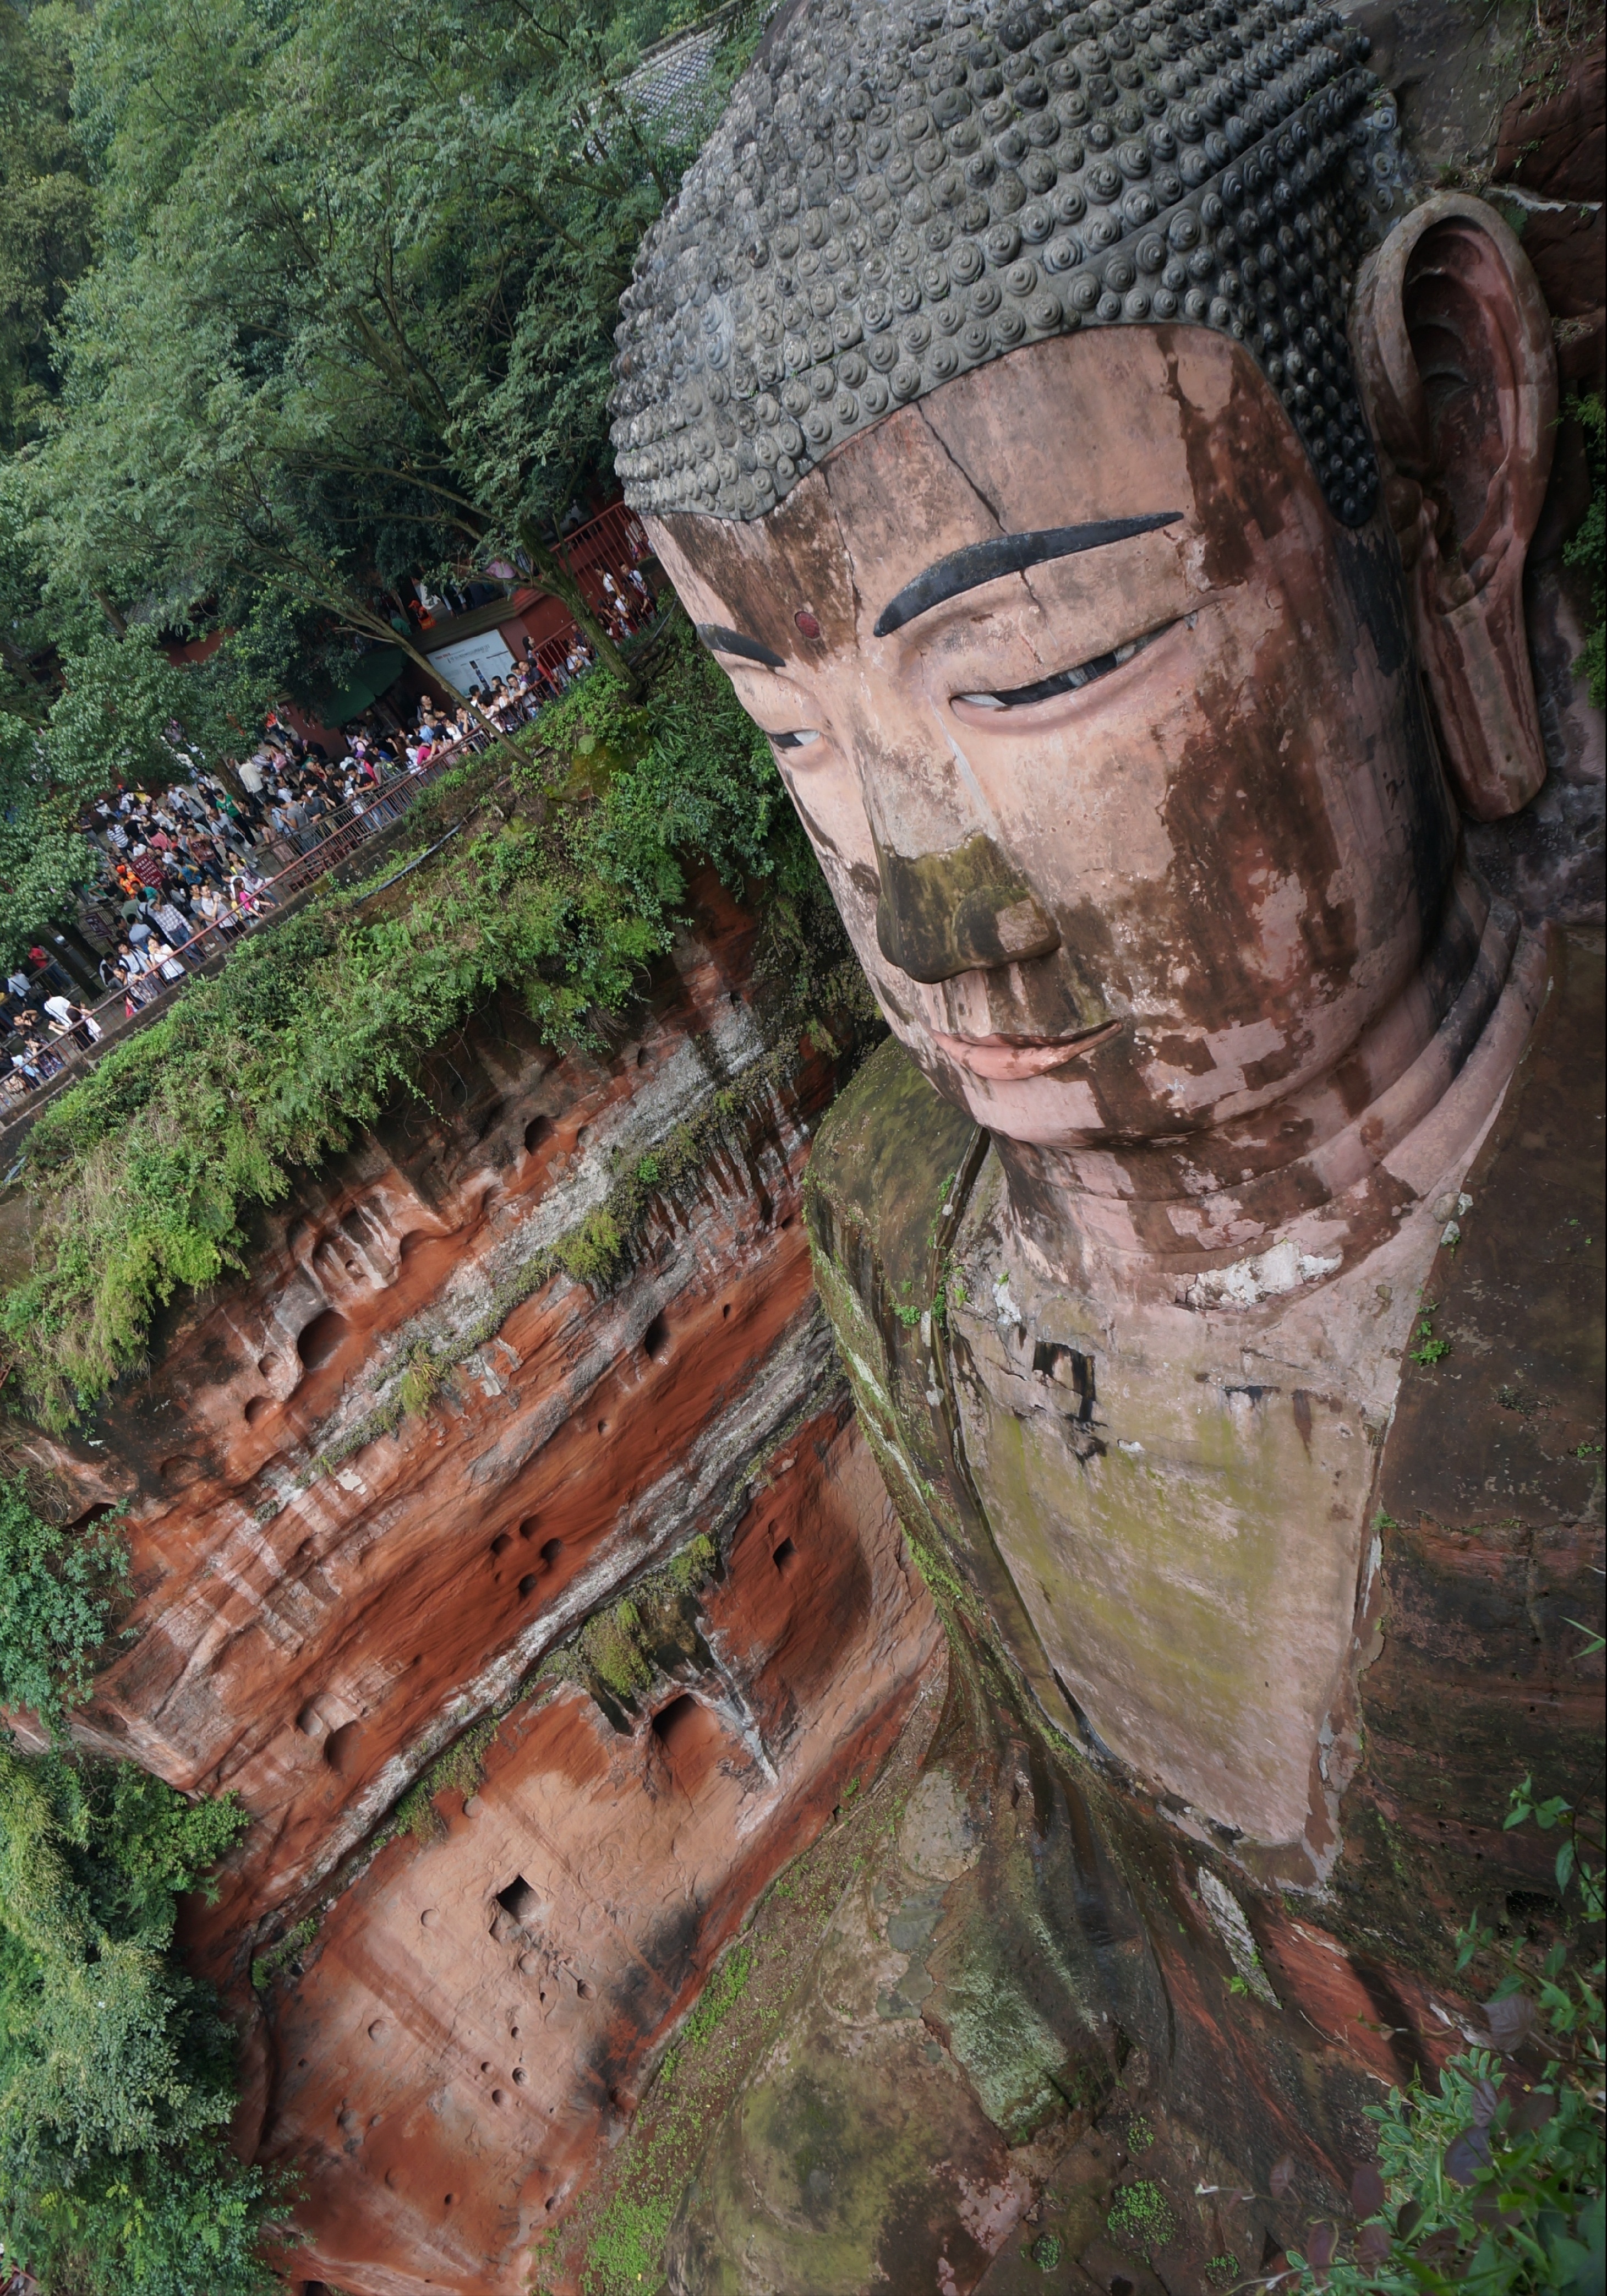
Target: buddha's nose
point(941, 914)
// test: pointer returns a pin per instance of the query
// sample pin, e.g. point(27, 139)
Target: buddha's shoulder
point(883, 1166)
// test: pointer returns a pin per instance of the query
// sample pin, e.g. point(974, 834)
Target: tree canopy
point(328, 298)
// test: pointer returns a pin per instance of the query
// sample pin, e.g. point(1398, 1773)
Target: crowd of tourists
point(186, 867)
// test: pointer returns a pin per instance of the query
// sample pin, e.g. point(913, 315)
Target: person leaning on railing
point(72, 1023)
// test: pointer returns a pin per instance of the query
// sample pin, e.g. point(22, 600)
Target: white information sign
point(472, 663)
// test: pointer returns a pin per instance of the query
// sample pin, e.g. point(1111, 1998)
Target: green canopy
point(374, 675)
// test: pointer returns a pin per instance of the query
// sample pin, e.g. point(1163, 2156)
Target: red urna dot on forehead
point(807, 622)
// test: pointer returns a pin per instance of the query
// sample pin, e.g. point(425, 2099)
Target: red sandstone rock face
point(371, 1485)
point(474, 2016)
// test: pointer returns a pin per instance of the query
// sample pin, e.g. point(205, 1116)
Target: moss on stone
point(610, 1647)
point(1016, 2063)
point(1141, 2219)
point(618, 1652)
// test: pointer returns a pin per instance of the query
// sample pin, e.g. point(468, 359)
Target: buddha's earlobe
point(1454, 351)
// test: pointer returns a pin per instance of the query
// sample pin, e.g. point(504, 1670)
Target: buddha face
point(1108, 737)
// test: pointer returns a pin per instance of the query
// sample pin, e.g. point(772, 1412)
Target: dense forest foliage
point(296, 296)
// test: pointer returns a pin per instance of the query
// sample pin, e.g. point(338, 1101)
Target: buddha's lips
point(1011, 1060)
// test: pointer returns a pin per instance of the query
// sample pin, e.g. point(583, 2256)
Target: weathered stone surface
point(1490, 1485)
point(476, 2015)
point(319, 1605)
point(374, 1483)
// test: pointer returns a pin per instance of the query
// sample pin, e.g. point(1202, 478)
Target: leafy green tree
point(58, 1590)
point(352, 316)
point(356, 317)
point(46, 216)
point(116, 2069)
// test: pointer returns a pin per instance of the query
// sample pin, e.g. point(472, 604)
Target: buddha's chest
point(1184, 1505)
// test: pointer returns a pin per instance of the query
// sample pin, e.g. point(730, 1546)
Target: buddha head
point(1122, 550)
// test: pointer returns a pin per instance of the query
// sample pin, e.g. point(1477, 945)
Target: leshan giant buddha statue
point(1123, 553)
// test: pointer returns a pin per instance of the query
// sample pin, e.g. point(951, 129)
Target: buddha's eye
point(802, 740)
point(1068, 681)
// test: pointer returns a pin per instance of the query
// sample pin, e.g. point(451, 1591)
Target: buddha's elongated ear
point(1454, 348)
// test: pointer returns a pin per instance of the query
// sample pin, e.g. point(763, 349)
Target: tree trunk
point(551, 574)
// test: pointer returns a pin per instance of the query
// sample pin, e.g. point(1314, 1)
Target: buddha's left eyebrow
point(718, 639)
point(1007, 554)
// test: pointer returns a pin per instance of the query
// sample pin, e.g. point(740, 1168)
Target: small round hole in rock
point(527, 1529)
point(257, 1409)
point(343, 1749)
point(550, 1553)
point(528, 1583)
point(321, 1338)
point(684, 1726)
point(642, 1057)
point(502, 1542)
point(655, 1339)
point(725, 1311)
point(538, 1128)
point(784, 1556)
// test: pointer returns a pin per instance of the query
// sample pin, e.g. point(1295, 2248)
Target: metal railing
point(607, 543)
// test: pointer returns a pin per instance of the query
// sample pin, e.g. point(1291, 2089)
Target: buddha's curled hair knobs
point(897, 193)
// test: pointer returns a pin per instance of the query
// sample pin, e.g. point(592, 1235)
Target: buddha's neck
point(1195, 1199)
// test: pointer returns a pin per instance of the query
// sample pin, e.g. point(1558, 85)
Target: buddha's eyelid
point(1007, 554)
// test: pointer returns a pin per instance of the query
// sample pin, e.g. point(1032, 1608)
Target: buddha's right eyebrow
point(718, 639)
point(1007, 554)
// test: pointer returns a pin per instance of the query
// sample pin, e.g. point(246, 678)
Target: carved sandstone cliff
point(373, 1487)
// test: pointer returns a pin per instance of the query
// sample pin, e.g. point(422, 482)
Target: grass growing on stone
point(723, 1989)
point(565, 888)
point(616, 1651)
point(460, 1768)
